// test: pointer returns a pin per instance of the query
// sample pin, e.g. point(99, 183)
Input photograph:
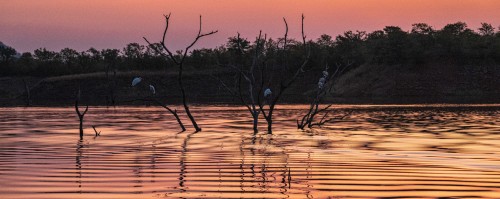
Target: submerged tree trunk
point(184, 101)
point(255, 116)
point(269, 118)
point(80, 115)
point(81, 127)
point(174, 112)
point(270, 126)
point(284, 84)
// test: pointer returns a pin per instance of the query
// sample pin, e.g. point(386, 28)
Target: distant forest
point(455, 44)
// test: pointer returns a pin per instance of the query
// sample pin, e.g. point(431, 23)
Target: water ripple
point(411, 151)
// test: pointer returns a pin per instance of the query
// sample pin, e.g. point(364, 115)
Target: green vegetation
point(455, 44)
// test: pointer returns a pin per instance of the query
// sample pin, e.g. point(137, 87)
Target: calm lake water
point(375, 152)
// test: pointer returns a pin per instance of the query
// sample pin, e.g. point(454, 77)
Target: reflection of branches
point(308, 175)
point(242, 171)
point(286, 178)
point(252, 150)
point(137, 170)
point(78, 163)
point(268, 173)
point(182, 173)
point(153, 163)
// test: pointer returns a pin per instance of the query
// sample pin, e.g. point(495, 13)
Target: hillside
point(419, 84)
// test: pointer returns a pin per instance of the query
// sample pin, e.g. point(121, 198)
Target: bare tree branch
point(180, 63)
point(284, 85)
point(200, 35)
point(80, 115)
point(96, 133)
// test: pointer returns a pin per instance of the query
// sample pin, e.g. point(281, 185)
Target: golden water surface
point(375, 152)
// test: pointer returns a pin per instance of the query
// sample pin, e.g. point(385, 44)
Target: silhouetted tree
point(422, 28)
point(179, 61)
point(349, 46)
point(324, 85)
point(288, 74)
point(486, 29)
point(6, 54)
point(248, 76)
point(80, 114)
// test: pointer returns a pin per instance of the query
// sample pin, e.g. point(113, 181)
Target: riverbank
point(366, 84)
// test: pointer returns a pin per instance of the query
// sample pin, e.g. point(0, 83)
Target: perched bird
point(321, 85)
point(267, 92)
point(321, 82)
point(325, 73)
point(152, 89)
point(136, 81)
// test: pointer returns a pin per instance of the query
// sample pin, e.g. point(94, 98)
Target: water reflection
point(182, 162)
point(375, 152)
point(78, 161)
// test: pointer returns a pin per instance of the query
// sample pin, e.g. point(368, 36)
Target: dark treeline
point(454, 44)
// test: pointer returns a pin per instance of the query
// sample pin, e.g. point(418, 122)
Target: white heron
point(136, 81)
point(321, 82)
point(152, 89)
point(267, 92)
point(325, 73)
point(320, 85)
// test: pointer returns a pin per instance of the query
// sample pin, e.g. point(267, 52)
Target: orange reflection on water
point(378, 151)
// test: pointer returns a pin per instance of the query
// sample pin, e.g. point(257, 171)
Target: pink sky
point(30, 24)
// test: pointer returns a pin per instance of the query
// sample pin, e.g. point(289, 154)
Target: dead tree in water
point(250, 78)
point(324, 82)
point(151, 98)
point(284, 81)
point(172, 111)
point(80, 115)
point(259, 75)
point(180, 63)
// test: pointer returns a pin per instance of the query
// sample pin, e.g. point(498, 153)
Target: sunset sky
point(30, 24)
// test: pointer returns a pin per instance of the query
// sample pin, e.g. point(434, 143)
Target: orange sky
point(81, 24)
